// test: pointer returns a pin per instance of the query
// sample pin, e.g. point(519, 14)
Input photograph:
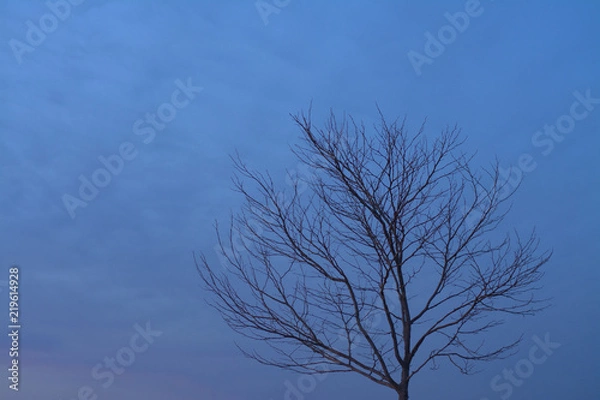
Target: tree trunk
point(403, 390)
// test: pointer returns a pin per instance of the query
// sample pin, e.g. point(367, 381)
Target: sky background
point(126, 258)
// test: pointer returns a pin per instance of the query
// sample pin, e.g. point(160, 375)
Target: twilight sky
point(175, 87)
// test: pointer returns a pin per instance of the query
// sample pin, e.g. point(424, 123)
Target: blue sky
point(91, 274)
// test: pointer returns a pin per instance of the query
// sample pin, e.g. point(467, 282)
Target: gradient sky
point(126, 257)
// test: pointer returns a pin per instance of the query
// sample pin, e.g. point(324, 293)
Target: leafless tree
point(390, 262)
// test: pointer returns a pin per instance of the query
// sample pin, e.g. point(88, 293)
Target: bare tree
point(390, 262)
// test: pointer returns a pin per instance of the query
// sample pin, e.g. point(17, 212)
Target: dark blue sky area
point(116, 124)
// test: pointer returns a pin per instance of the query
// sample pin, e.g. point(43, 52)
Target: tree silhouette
point(387, 263)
